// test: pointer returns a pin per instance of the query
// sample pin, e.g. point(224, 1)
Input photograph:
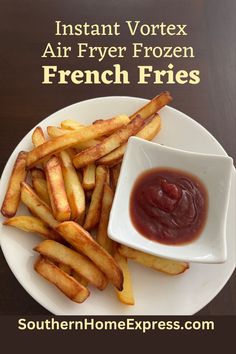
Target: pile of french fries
point(67, 182)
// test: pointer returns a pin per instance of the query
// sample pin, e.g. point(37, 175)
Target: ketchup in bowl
point(168, 206)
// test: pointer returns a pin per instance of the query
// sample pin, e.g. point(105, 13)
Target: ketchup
point(168, 206)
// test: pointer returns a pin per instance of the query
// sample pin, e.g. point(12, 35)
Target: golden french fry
point(74, 189)
point(94, 211)
point(98, 121)
point(37, 205)
point(108, 177)
point(115, 172)
point(76, 261)
point(37, 173)
point(55, 145)
point(153, 106)
point(125, 296)
point(56, 188)
point(64, 282)
point(79, 278)
point(12, 197)
point(38, 137)
point(70, 124)
point(33, 224)
point(54, 132)
point(79, 174)
point(40, 184)
point(65, 269)
point(89, 177)
point(71, 152)
point(109, 144)
point(54, 181)
point(102, 236)
point(28, 224)
point(149, 131)
point(164, 265)
point(83, 242)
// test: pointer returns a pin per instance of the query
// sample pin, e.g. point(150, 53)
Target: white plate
point(155, 293)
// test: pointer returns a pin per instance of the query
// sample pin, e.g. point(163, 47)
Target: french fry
point(53, 146)
point(64, 282)
point(40, 184)
point(108, 177)
point(56, 188)
point(38, 137)
point(148, 133)
point(37, 205)
point(102, 236)
point(94, 211)
point(109, 144)
point(12, 197)
point(70, 124)
point(79, 174)
point(54, 181)
point(54, 132)
point(37, 173)
point(79, 263)
point(66, 269)
point(33, 224)
point(89, 177)
point(98, 121)
point(71, 152)
point(153, 106)
point(125, 296)
point(74, 189)
point(115, 172)
point(162, 264)
point(83, 242)
point(79, 278)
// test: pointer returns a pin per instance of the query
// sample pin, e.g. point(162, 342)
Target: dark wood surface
point(27, 26)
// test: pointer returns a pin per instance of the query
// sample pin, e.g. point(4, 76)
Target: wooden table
point(25, 101)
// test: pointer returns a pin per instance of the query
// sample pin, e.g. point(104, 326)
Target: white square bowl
point(213, 170)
